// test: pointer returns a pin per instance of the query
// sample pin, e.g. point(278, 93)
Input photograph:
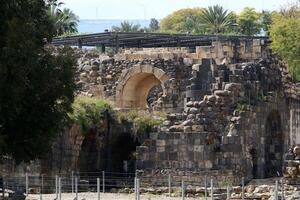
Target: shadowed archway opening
point(273, 146)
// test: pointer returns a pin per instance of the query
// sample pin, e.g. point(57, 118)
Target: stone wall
point(241, 127)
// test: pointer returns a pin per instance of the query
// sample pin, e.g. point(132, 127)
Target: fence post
point(98, 188)
point(56, 186)
point(211, 189)
point(276, 190)
point(205, 187)
point(282, 189)
point(138, 188)
point(41, 189)
point(59, 188)
point(26, 184)
point(3, 187)
point(182, 190)
point(72, 184)
point(76, 187)
point(103, 181)
point(135, 188)
point(243, 187)
point(169, 181)
point(228, 193)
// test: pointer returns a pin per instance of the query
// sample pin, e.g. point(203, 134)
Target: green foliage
point(126, 26)
point(217, 20)
point(154, 25)
point(266, 21)
point(37, 87)
point(182, 21)
point(285, 36)
point(249, 22)
point(65, 21)
point(143, 121)
point(88, 112)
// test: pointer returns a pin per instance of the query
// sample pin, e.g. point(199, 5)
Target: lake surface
point(97, 26)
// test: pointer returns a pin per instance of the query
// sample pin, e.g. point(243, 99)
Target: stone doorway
point(274, 144)
point(135, 85)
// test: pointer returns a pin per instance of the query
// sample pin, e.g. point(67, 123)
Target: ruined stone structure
point(232, 110)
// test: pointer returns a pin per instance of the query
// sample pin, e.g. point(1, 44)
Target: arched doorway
point(123, 148)
point(135, 85)
point(274, 144)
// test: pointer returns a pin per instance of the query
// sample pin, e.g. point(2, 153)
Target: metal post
point(243, 187)
point(59, 188)
point(56, 186)
point(169, 181)
point(26, 184)
point(3, 187)
point(98, 188)
point(103, 181)
point(135, 187)
point(205, 185)
point(41, 189)
point(72, 179)
point(211, 189)
point(76, 187)
point(182, 190)
point(276, 190)
point(138, 188)
point(282, 189)
point(228, 193)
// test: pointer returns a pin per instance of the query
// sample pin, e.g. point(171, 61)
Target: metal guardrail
point(146, 40)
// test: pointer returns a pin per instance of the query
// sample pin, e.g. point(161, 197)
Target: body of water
point(98, 26)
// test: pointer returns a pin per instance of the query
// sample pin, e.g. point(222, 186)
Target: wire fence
point(93, 185)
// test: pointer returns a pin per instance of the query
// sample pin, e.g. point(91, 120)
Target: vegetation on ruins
point(64, 20)
point(216, 19)
point(89, 111)
point(143, 122)
point(37, 86)
point(285, 36)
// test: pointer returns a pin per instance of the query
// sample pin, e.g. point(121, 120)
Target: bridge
point(146, 40)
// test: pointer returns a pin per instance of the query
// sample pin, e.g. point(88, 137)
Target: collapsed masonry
point(232, 109)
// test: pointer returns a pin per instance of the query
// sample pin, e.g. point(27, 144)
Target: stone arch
point(135, 84)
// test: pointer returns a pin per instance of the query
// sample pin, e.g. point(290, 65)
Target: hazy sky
point(146, 9)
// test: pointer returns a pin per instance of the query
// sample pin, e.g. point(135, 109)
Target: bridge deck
point(144, 40)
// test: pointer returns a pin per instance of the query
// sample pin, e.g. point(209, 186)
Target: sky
point(146, 9)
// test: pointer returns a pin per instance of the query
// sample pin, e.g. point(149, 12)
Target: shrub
point(90, 111)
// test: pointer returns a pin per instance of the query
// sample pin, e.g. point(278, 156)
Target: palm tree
point(65, 21)
point(216, 19)
point(126, 26)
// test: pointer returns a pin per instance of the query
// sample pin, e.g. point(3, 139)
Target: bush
point(142, 121)
point(89, 111)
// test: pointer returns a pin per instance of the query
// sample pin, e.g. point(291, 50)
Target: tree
point(266, 21)
point(285, 37)
point(37, 86)
point(127, 26)
point(183, 21)
point(216, 19)
point(154, 25)
point(65, 21)
point(249, 21)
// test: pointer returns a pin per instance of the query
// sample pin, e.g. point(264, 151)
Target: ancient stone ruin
point(231, 109)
